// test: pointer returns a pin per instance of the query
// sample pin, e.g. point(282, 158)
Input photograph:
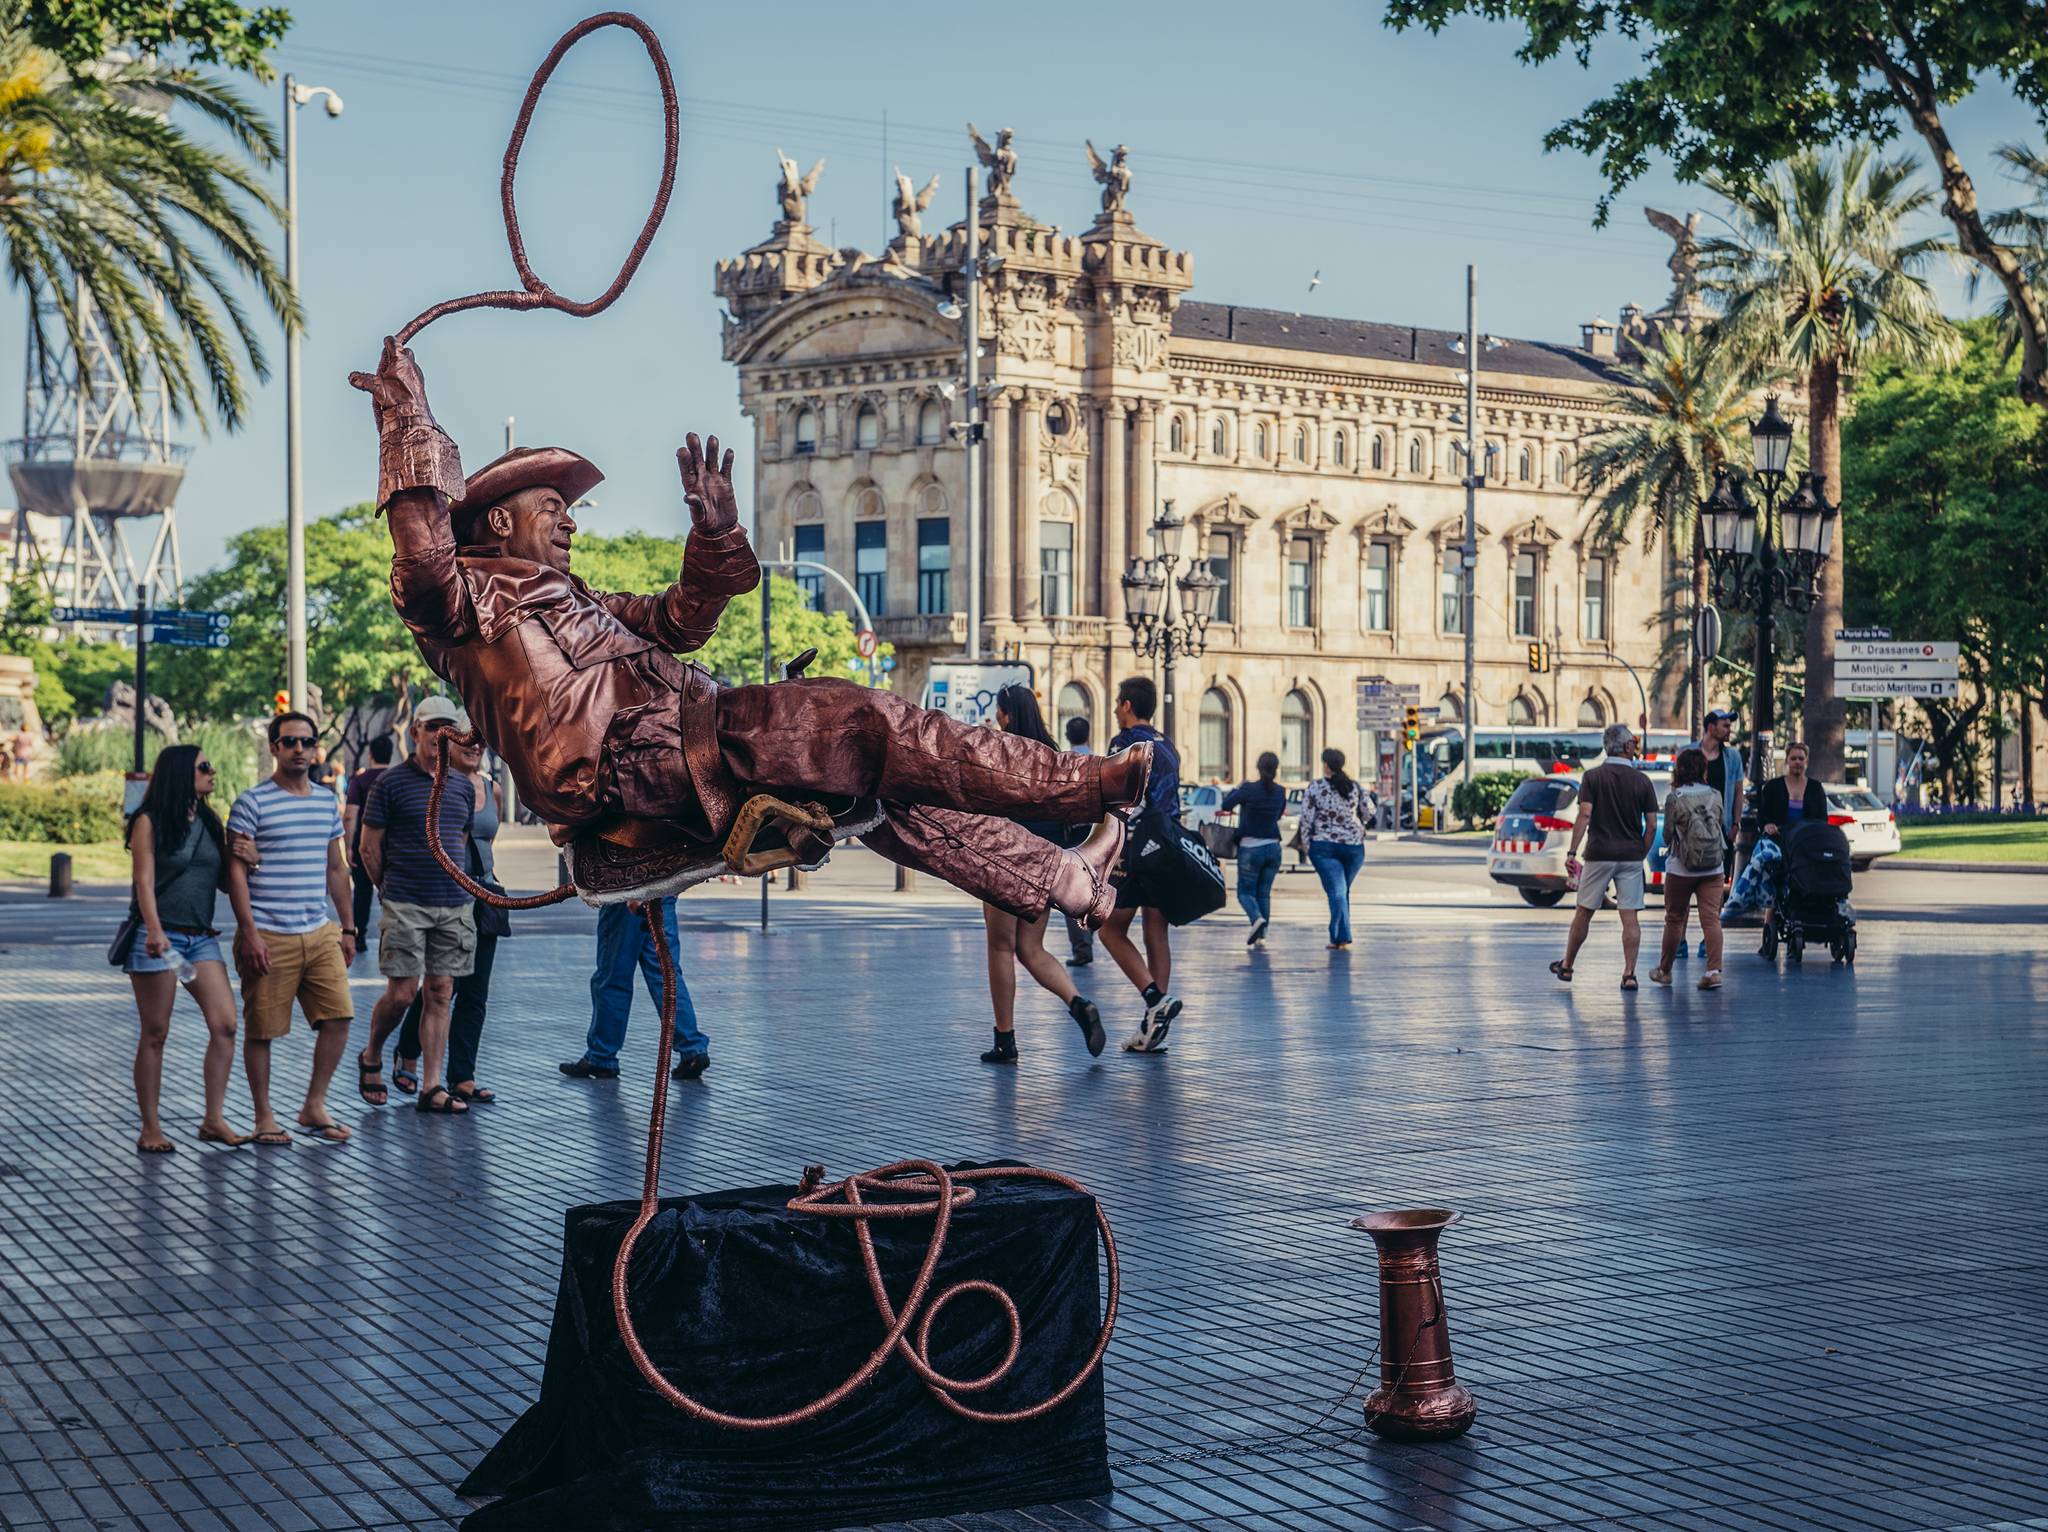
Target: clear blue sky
point(1270, 141)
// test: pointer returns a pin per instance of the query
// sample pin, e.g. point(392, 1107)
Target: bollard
point(1419, 1397)
point(799, 880)
point(906, 880)
point(60, 875)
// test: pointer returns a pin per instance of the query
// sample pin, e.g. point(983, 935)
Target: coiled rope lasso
point(940, 1193)
point(532, 292)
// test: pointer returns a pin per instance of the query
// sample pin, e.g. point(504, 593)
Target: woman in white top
point(1334, 815)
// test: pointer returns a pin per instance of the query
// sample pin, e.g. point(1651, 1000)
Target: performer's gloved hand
point(413, 452)
point(707, 485)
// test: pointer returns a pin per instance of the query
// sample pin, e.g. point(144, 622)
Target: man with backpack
point(1618, 824)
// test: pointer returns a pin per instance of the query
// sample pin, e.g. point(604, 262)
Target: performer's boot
point(1125, 776)
point(1081, 886)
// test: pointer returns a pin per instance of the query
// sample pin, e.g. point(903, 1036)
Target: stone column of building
point(1030, 498)
point(996, 546)
point(1114, 511)
point(1144, 471)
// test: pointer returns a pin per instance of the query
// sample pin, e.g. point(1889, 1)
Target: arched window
point(1415, 455)
point(806, 432)
point(1176, 435)
point(1297, 737)
point(1525, 465)
point(1217, 438)
point(1448, 706)
point(1337, 449)
point(867, 428)
point(1379, 454)
point(1213, 757)
point(1520, 713)
point(1074, 702)
point(931, 423)
point(1259, 441)
point(1592, 715)
point(1300, 445)
point(1563, 471)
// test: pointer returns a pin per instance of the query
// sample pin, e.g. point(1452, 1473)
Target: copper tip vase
point(1419, 1397)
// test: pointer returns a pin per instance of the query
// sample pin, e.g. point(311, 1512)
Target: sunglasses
point(205, 766)
point(295, 742)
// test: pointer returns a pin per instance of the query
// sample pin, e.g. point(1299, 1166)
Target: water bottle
point(187, 970)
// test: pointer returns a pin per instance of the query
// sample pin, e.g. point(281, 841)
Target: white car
point(1533, 833)
point(1872, 828)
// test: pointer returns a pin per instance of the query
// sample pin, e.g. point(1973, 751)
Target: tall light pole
point(1475, 477)
point(295, 96)
point(1157, 628)
point(971, 269)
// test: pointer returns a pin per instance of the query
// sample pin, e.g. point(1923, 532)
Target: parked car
point(1534, 832)
point(1872, 828)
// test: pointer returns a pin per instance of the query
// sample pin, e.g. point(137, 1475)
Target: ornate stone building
point(1318, 462)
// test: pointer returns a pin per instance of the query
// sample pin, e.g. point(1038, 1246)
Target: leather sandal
point(441, 1099)
point(363, 1082)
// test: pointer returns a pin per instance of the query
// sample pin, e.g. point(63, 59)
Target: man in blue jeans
point(623, 945)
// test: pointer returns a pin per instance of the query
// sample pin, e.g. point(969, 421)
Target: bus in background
point(1527, 751)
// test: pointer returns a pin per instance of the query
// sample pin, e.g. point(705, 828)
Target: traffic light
point(1539, 659)
point(1411, 724)
point(281, 703)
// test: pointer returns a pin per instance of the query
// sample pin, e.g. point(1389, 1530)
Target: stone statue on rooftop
point(791, 188)
point(999, 159)
point(1114, 177)
point(1685, 258)
point(911, 203)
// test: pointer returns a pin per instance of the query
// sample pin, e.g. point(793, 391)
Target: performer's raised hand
point(707, 485)
point(413, 452)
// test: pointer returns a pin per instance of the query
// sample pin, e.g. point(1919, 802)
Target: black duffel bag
point(1169, 869)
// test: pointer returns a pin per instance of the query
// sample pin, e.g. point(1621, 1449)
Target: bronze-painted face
point(534, 524)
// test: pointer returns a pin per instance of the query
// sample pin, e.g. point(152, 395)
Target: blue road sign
point(174, 618)
point(190, 638)
point(93, 614)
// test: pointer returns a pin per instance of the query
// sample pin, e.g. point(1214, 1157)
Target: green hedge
point(1481, 800)
point(65, 814)
point(230, 746)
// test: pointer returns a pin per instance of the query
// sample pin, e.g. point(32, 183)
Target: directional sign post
point(1878, 665)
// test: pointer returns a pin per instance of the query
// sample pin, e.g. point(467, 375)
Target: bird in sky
point(1317, 280)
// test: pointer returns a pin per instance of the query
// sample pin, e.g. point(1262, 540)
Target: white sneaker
point(1151, 1034)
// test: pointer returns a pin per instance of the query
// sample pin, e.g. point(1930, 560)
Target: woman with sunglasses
point(176, 846)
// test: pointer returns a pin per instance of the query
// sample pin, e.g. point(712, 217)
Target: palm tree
point(1681, 412)
point(108, 209)
point(1819, 278)
point(2025, 229)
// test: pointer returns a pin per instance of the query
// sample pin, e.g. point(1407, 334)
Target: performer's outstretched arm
point(419, 474)
point(718, 563)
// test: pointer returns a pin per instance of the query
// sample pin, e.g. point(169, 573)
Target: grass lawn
point(99, 862)
point(1976, 841)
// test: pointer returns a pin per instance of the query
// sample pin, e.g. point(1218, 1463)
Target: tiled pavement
point(1772, 1258)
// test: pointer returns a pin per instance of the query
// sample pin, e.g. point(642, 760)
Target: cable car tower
point(97, 456)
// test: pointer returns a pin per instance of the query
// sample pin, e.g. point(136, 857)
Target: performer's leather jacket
point(578, 690)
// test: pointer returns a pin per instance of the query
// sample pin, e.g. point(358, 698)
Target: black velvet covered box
point(756, 1310)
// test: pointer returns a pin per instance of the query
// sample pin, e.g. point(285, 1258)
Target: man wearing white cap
point(426, 938)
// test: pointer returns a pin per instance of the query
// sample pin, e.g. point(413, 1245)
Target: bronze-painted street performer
point(609, 735)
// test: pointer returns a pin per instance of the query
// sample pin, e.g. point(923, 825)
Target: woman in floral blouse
point(1334, 814)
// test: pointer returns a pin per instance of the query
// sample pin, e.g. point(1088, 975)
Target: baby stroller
point(1813, 897)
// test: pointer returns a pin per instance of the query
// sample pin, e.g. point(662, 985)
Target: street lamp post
point(295, 96)
point(1160, 628)
point(1763, 560)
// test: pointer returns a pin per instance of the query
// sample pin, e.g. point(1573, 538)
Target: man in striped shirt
point(286, 872)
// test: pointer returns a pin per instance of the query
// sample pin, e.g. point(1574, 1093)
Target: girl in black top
point(1259, 806)
point(1012, 941)
point(176, 846)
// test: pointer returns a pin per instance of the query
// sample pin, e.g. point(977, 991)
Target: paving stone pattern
point(1772, 1258)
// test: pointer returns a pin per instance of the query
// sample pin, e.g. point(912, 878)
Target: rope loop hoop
point(533, 293)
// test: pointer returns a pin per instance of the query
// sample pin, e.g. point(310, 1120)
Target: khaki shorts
point(1627, 878)
point(306, 967)
point(426, 940)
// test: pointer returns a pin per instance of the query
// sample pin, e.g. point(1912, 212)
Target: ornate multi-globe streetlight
point(1758, 566)
point(1161, 628)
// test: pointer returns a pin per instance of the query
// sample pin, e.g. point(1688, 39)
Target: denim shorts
point(185, 947)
